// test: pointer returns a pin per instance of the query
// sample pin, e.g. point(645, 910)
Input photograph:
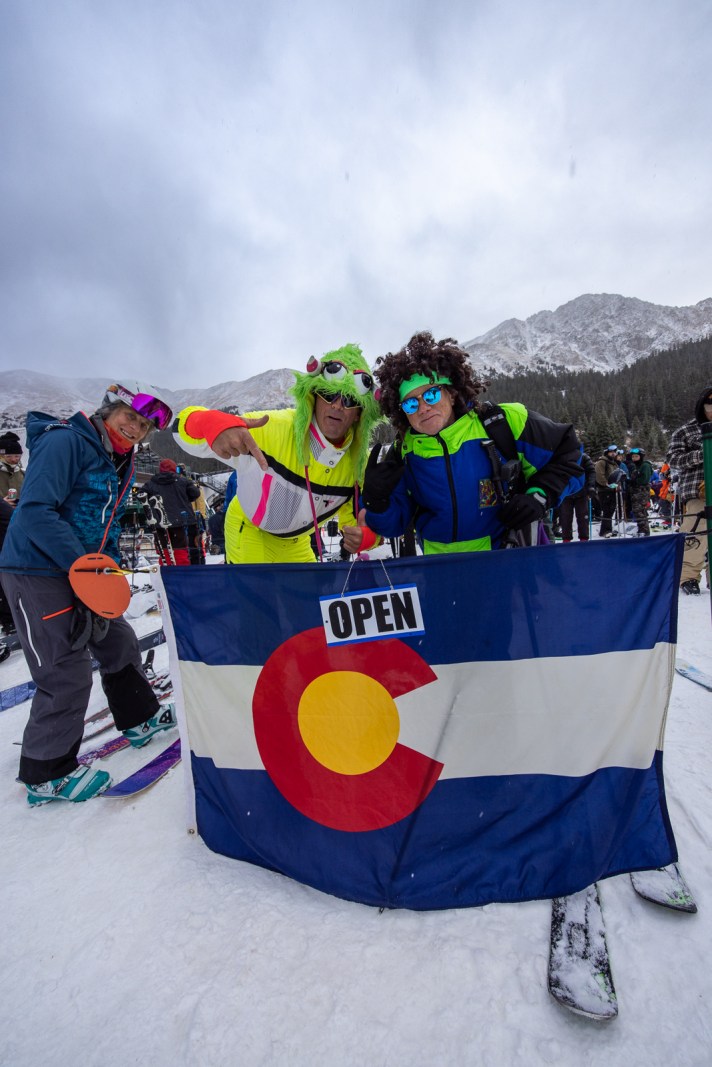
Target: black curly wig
point(424, 355)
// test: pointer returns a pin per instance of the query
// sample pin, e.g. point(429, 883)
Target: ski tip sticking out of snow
point(665, 886)
point(579, 968)
point(688, 670)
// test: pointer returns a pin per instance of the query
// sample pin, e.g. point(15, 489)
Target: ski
point(18, 694)
point(688, 670)
point(147, 775)
point(665, 886)
point(97, 724)
point(579, 968)
point(114, 744)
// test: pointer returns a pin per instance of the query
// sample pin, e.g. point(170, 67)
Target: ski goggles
point(333, 371)
point(430, 396)
point(346, 401)
point(150, 407)
point(634, 452)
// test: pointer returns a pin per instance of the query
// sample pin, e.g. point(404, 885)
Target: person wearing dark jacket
point(640, 472)
point(577, 504)
point(439, 476)
point(177, 494)
point(6, 620)
point(685, 457)
point(607, 473)
point(11, 472)
point(78, 478)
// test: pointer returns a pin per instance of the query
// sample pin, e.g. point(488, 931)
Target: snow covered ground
point(126, 941)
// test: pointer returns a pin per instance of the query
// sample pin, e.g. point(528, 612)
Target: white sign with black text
point(372, 614)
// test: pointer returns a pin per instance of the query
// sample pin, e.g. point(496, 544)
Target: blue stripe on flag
point(608, 597)
point(474, 841)
point(277, 785)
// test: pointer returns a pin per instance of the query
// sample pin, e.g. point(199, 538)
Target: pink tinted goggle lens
point(152, 408)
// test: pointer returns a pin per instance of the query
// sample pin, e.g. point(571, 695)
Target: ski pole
point(114, 570)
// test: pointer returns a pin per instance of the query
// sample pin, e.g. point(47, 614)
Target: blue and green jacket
point(71, 501)
point(447, 487)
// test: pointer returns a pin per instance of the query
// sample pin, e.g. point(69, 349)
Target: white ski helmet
point(143, 399)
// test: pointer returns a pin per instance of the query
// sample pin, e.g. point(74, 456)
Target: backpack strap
point(498, 429)
point(500, 434)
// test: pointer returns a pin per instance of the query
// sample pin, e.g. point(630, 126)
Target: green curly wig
point(306, 385)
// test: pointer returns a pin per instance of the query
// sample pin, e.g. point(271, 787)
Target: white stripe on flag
point(566, 716)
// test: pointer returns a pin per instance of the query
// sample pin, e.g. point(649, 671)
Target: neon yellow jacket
point(277, 500)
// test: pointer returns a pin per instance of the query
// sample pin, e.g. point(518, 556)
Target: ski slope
point(126, 941)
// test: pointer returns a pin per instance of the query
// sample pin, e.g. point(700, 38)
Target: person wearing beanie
point(685, 457)
point(78, 479)
point(11, 473)
point(607, 476)
point(297, 467)
point(176, 494)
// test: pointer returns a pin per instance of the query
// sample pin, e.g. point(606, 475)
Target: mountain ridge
point(602, 332)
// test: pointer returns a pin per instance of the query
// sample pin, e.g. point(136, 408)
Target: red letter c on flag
point(293, 720)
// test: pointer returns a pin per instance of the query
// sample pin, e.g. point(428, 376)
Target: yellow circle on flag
point(348, 721)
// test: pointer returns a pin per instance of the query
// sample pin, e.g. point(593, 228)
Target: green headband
point(420, 379)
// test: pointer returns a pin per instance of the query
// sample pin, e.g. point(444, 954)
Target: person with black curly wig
point(440, 472)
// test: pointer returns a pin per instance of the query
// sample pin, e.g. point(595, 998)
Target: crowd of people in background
point(461, 475)
point(620, 487)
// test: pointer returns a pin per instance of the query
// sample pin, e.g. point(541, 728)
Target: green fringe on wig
point(306, 385)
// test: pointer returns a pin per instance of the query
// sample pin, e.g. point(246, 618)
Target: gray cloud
point(197, 192)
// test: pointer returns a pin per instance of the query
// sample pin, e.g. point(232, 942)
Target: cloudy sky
point(193, 191)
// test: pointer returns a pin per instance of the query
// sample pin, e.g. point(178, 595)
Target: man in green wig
point(296, 468)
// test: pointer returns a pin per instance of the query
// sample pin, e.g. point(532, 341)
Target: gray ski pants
point(64, 676)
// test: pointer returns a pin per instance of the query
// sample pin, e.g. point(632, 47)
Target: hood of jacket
point(700, 405)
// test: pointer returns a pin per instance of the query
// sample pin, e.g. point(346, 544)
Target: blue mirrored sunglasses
point(430, 396)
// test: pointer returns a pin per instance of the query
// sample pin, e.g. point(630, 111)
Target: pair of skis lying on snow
point(579, 968)
point(150, 772)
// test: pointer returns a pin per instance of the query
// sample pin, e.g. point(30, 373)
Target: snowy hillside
point(599, 332)
point(126, 941)
point(23, 391)
point(594, 332)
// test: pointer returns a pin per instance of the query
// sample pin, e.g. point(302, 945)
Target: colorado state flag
point(433, 733)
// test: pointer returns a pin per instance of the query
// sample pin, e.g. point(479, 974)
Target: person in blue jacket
point(79, 475)
point(439, 474)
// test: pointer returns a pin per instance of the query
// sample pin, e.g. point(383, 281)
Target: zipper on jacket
point(451, 486)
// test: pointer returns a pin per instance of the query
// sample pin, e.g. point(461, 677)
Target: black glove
point(381, 479)
point(522, 509)
point(86, 627)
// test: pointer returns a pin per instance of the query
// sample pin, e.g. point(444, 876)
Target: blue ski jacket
point(447, 488)
point(71, 500)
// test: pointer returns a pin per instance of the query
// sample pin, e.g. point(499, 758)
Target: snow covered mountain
point(593, 332)
point(23, 391)
point(599, 332)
